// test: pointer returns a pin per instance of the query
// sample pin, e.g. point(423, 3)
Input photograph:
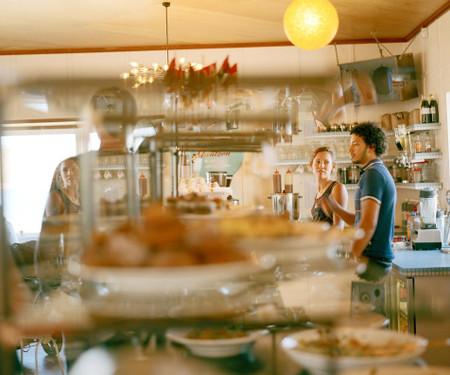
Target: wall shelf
point(409, 128)
point(419, 186)
point(407, 186)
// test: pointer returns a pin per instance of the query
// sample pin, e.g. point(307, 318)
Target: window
point(30, 158)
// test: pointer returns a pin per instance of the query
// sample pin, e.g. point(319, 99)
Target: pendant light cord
point(166, 4)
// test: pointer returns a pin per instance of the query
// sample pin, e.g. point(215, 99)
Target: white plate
point(295, 344)
point(400, 370)
point(159, 280)
point(221, 214)
point(217, 348)
point(272, 251)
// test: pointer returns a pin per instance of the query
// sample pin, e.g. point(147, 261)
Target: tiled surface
point(422, 263)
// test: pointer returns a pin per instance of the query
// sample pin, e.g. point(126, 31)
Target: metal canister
point(395, 173)
point(342, 173)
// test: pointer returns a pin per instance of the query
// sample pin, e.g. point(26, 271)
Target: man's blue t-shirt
point(376, 183)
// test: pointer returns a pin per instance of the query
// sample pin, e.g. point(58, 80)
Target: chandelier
point(188, 80)
point(143, 74)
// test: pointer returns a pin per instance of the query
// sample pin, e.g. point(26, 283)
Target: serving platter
point(322, 351)
point(214, 348)
point(136, 281)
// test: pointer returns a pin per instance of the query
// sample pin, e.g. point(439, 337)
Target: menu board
point(216, 161)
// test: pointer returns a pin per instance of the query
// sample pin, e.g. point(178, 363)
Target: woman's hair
point(372, 136)
point(57, 182)
point(322, 149)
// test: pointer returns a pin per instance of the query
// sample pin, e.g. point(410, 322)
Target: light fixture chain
point(166, 4)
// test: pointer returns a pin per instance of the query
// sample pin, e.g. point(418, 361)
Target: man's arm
point(330, 204)
point(370, 210)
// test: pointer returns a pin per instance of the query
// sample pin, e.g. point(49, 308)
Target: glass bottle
point(276, 182)
point(142, 185)
point(288, 184)
point(425, 115)
point(428, 146)
point(434, 110)
point(417, 143)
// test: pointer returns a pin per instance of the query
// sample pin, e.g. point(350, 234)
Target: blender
point(428, 237)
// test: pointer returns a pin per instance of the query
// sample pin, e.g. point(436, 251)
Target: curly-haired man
point(375, 196)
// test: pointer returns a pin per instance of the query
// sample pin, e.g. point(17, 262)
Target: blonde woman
point(323, 164)
point(64, 197)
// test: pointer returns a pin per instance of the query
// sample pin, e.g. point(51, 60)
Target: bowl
point(325, 351)
point(214, 348)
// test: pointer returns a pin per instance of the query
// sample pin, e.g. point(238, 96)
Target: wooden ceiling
point(61, 26)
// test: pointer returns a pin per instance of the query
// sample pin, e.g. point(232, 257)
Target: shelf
point(419, 186)
point(409, 186)
point(337, 134)
point(423, 127)
point(409, 128)
point(387, 159)
point(425, 156)
point(288, 162)
point(213, 141)
point(415, 158)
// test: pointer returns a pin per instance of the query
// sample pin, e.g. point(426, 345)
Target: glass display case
point(126, 267)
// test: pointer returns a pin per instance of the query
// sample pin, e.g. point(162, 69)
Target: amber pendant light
point(310, 24)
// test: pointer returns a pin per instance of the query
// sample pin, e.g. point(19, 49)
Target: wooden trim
point(368, 41)
point(40, 121)
point(39, 127)
point(53, 123)
point(183, 47)
point(429, 20)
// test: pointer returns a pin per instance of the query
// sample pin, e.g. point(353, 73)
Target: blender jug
point(428, 237)
point(428, 208)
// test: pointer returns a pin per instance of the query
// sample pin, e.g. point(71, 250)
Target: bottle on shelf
point(398, 142)
point(405, 215)
point(276, 182)
point(288, 183)
point(417, 143)
point(434, 110)
point(425, 115)
point(410, 225)
point(142, 186)
point(428, 145)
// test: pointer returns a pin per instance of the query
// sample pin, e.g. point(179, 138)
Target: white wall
point(432, 56)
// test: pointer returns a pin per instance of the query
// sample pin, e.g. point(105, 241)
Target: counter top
point(414, 263)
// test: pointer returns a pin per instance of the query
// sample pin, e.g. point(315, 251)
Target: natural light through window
point(29, 163)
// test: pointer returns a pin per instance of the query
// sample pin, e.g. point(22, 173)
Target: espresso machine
point(428, 236)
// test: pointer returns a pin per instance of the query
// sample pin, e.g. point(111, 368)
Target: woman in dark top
point(64, 197)
point(323, 165)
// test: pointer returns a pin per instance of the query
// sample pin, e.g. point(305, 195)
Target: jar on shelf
point(428, 142)
point(417, 143)
point(428, 171)
point(395, 172)
point(342, 173)
point(353, 174)
point(416, 173)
